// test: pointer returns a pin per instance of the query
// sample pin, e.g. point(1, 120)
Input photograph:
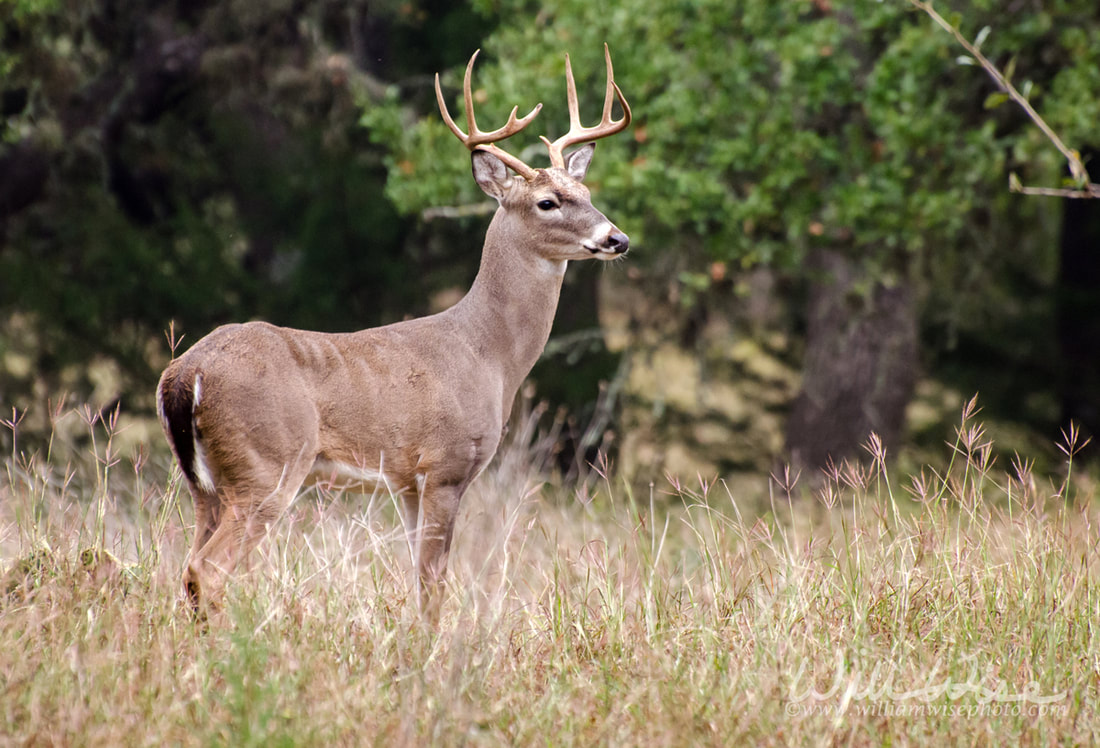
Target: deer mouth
point(603, 253)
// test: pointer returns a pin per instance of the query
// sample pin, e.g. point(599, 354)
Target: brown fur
point(423, 403)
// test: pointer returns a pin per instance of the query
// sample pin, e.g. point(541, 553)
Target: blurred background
point(823, 239)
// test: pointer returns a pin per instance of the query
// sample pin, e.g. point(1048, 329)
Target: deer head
point(553, 199)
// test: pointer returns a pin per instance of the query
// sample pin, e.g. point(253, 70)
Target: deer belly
point(333, 474)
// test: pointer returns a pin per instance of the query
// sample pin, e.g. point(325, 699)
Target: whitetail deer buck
point(253, 412)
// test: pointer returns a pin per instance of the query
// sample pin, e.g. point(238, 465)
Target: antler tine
point(485, 141)
point(571, 96)
point(577, 132)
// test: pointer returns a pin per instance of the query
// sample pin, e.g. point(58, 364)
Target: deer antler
point(485, 140)
point(578, 133)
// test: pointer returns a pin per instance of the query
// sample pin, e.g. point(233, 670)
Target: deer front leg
point(430, 522)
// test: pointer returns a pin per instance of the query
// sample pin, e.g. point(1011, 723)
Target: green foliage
point(764, 129)
point(438, 172)
point(17, 18)
point(196, 165)
point(1073, 106)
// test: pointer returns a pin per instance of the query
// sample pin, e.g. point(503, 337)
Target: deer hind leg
point(210, 564)
point(238, 523)
point(206, 520)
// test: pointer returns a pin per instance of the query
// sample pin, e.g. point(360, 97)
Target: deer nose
point(617, 242)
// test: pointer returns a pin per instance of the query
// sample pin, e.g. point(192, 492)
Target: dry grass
point(961, 610)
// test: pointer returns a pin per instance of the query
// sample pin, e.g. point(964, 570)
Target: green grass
point(957, 606)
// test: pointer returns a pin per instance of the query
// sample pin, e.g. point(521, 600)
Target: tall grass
point(957, 606)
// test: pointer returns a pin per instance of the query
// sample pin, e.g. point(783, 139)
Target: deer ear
point(491, 175)
point(576, 163)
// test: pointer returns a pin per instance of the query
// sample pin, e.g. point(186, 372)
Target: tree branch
point(1086, 187)
point(459, 211)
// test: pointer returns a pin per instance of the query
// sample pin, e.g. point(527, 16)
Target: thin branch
point(1090, 190)
point(459, 211)
point(1087, 188)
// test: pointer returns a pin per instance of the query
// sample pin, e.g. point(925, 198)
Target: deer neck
point(510, 307)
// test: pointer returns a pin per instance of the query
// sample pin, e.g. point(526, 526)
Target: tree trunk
point(860, 363)
point(1079, 312)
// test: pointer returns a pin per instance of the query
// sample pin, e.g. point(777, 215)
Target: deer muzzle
point(614, 244)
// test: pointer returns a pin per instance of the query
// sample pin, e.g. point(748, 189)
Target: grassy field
point(957, 606)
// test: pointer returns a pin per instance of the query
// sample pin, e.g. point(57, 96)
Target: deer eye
point(546, 204)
